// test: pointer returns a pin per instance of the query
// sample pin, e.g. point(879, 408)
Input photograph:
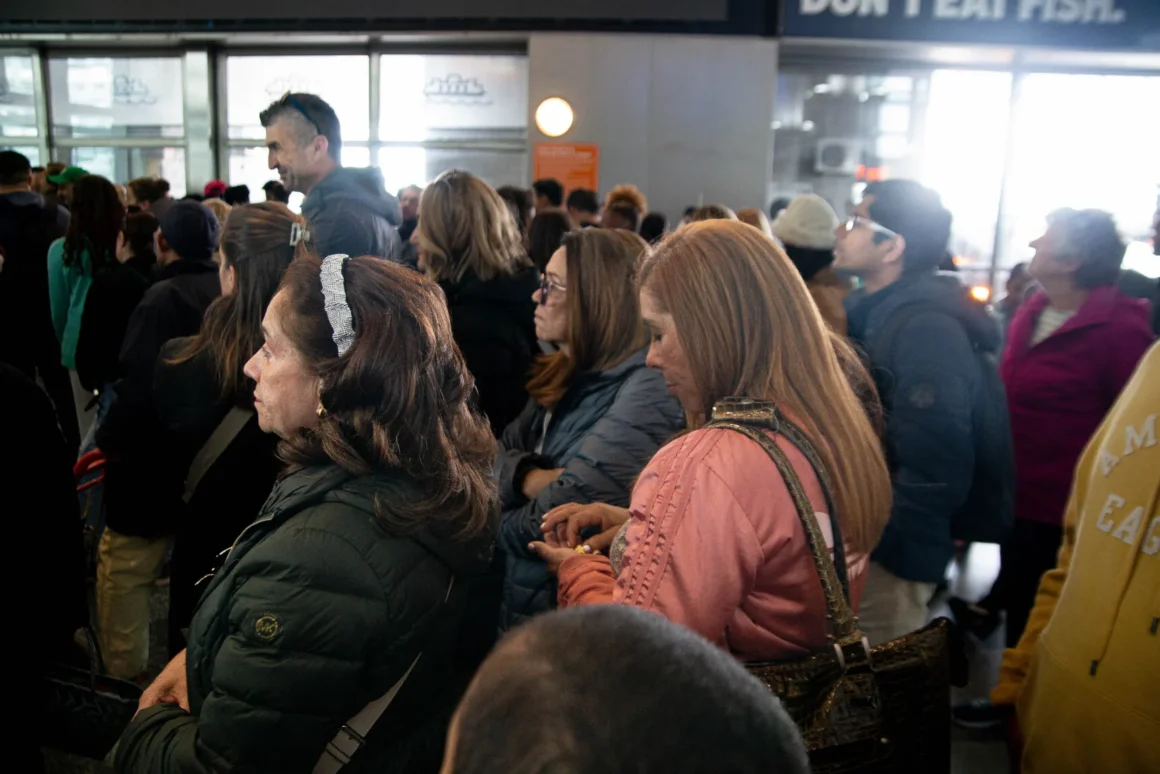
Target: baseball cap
point(214, 188)
point(68, 175)
point(191, 229)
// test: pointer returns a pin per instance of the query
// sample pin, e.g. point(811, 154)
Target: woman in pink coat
point(711, 539)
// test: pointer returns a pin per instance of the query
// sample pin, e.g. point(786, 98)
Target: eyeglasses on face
point(546, 287)
point(856, 221)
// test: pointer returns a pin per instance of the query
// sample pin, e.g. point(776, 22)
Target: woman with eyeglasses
point(469, 243)
point(597, 413)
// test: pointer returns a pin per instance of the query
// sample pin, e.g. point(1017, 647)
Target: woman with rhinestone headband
point(331, 634)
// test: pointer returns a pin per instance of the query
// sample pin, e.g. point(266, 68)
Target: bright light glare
point(1104, 155)
point(554, 116)
point(981, 293)
point(1139, 257)
point(965, 144)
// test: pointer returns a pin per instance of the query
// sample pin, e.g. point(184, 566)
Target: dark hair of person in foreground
point(610, 689)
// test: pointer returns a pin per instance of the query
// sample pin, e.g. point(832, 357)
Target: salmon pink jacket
point(715, 544)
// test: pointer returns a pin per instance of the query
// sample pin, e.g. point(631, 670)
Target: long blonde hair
point(749, 327)
point(465, 227)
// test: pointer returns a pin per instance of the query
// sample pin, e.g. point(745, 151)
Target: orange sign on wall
point(575, 166)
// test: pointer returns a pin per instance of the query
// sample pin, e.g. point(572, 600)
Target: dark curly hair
point(398, 399)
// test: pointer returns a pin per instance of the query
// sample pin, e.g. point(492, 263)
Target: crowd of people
point(407, 464)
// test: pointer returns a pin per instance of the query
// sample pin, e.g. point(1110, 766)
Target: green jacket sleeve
point(293, 668)
point(58, 289)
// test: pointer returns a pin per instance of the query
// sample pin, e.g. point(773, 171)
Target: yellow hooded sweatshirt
point(1085, 677)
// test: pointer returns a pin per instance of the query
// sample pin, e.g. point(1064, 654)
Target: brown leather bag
point(885, 709)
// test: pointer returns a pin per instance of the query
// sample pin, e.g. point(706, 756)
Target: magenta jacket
point(715, 544)
point(1059, 390)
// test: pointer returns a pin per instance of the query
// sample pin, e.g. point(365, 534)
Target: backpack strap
point(222, 436)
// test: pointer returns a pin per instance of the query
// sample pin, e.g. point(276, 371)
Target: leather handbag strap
point(222, 436)
point(837, 608)
point(795, 436)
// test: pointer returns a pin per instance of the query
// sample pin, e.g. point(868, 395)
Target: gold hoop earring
point(321, 411)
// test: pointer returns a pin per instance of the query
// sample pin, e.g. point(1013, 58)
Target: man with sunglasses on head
point(932, 351)
point(347, 210)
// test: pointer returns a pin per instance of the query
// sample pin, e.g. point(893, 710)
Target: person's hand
point(569, 520)
point(170, 687)
point(536, 479)
point(552, 555)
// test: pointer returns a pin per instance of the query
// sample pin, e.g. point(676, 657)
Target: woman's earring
point(321, 411)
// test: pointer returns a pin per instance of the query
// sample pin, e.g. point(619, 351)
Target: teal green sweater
point(68, 287)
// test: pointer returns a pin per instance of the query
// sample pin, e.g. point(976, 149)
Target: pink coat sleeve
point(695, 555)
point(584, 580)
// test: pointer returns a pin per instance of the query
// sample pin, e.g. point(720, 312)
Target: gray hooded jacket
point(350, 212)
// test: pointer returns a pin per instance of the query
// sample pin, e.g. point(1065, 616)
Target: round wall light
point(554, 116)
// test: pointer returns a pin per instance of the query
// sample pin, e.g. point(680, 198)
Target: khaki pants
point(891, 606)
point(127, 569)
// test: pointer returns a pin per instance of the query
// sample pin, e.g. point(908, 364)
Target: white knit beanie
point(809, 221)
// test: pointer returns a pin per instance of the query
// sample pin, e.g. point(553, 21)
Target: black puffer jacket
point(130, 435)
point(350, 212)
point(316, 613)
point(602, 433)
point(109, 305)
point(494, 326)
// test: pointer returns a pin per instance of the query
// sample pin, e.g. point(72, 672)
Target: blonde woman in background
point(469, 244)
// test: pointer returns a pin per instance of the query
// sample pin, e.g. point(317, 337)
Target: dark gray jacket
point(928, 374)
point(350, 212)
point(317, 612)
point(602, 433)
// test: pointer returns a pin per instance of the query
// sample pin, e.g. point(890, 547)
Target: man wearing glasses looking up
point(928, 344)
point(347, 210)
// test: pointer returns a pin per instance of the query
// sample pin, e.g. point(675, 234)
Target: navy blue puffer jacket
point(602, 433)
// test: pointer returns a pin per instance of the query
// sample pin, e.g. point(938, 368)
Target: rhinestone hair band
point(334, 299)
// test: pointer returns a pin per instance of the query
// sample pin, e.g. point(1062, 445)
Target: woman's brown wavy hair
point(749, 327)
point(397, 400)
point(604, 325)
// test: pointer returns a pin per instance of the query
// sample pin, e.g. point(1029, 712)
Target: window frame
point(374, 55)
point(40, 99)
